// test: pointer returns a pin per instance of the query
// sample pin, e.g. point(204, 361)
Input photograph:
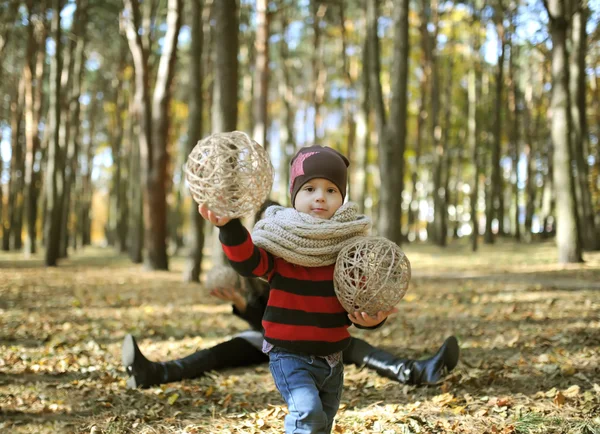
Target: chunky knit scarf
point(305, 240)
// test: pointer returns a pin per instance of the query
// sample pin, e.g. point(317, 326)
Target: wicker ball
point(371, 274)
point(221, 277)
point(230, 173)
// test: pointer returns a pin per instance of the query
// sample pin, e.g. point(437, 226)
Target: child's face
point(318, 197)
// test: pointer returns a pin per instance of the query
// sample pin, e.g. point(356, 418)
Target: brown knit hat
point(317, 161)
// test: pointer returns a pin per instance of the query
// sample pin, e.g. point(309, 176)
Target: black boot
point(406, 371)
point(144, 373)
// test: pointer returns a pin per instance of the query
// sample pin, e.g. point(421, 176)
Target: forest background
point(473, 131)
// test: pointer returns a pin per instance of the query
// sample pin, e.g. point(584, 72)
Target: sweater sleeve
point(245, 258)
point(370, 328)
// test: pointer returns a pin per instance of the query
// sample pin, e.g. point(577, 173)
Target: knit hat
point(317, 161)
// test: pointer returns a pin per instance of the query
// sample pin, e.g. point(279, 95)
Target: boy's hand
point(211, 216)
point(229, 294)
point(366, 320)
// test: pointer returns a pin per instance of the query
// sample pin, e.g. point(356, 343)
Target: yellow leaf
point(209, 391)
point(567, 370)
point(559, 399)
point(173, 398)
point(458, 410)
point(410, 297)
point(443, 399)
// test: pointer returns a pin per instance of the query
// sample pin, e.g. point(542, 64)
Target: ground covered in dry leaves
point(529, 332)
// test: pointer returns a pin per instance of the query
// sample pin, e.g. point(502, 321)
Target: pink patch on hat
point(298, 166)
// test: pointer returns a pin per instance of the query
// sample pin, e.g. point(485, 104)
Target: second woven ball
point(371, 275)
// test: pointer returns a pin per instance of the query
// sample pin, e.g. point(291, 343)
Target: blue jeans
point(310, 387)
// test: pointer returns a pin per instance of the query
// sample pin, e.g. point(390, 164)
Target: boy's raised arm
point(245, 258)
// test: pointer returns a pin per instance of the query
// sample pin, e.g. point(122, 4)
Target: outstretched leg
point(406, 371)
point(144, 373)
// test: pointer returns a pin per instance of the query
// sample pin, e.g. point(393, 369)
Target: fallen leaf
point(443, 399)
point(173, 398)
point(559, 399)
point(567, 370)
point(572, 391)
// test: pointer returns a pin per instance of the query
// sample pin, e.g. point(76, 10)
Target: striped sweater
point(303, 314)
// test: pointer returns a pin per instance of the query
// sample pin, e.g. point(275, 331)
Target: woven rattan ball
point(222, 277)
point(230, 173)
point(371, 274)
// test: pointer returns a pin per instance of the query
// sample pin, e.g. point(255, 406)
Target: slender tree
point(153, 112)
point(392, 132)
point(193, 267)
point(287, 139)
point(473, 126)
point(54, 187)
point(319, 72)
point(224, 109)
point(225, 96)
point(12, 239)
point(261, 73)
point(495, 199)
point(568, 242)
point(515, 131)
point(579, 133)
point(73, 108)
point(33, 75)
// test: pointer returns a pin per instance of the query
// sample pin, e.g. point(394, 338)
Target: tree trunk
point(530, 187)
point(568, 243)
point(225, 97)
point(86, 189)
point(442, 213)
point(225, 92)
point(34, 73)
point(193, 266)
point(495, 200)
point(117, 222)
point(346, 105)
point(514, 104)
point(12, 239)
point(319, 73)
point(430, 19)
point(392, 134)
point(261, 73)
point(474, 93)
point(579, 134)
point(548, 205)
point(359, 173)
point(134, 192)
point(287, 139)
point(413, 212)
point(74, 110)
point(154, 127)
point(54, 187)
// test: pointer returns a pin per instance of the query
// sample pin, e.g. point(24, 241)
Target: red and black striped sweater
point(303, 314)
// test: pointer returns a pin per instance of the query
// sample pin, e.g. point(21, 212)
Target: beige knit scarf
point(305, 240)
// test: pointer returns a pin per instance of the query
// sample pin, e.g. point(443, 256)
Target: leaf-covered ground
point(529, 332)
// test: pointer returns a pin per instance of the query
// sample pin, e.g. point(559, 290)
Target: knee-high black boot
point(406, 371)
point(144, 373)
point(230, 354)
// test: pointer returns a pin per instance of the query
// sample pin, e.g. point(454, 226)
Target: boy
point(305, 326)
